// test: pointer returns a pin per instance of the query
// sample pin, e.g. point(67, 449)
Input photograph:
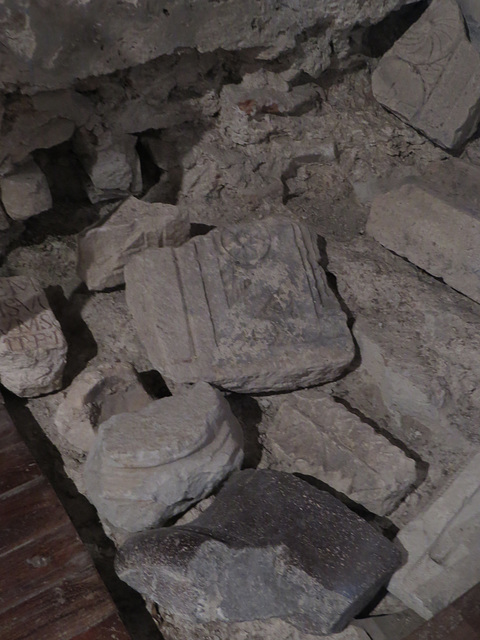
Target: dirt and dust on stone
point(239, 305)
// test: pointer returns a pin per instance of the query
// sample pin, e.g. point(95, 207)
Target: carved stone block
point(32, 347)
point(431, 76)
point(246, 307)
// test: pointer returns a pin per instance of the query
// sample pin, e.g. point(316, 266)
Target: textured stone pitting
point(149, 465)
point(431, 76)
point(94, 396)
point(25, 191)
point(442, 545)
point(32, 347)
point(104, 249)
point(270, 546)
point(246, 307)
point(316, 436)
point(437, 231)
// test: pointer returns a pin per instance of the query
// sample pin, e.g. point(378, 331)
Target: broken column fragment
point(104, 249)
point(32, 347)
point(431, 77)
point(316, 436)
point(25, 191)
point(435, 228)
point(149, 465)
point(94, 396)
point(246, 307)
point(442, 545)
point(110, 161)
point(270, 545)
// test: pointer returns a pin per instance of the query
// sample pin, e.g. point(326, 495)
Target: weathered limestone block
point(442, 545)
point(471, 13)
point(420, 367)
point(25, 192)
point(149, 465)
point(111, 163)
point(96, 395)
point(436, 233)
point(173, 628)
point(314, 435)
point(32, 347)
point(246, 307)
point(104, 249)
point(93, 38)
point(431, 76)
point(313, 563)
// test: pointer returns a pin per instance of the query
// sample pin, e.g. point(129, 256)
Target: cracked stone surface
point(147, 466)
point(246, 307)
point(431, 76)
point(32, 346)
point(312, 561)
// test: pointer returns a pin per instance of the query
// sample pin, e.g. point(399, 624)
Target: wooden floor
point(49, 588)
point(459, 621)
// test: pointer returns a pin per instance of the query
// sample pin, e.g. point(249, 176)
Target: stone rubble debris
point(105, 248)
point(316, 436)
point(442, 545)
point(32, 346)
point(94, 396)
point(246, 308)
point(25, 191)
point(149, 465)
point(431, 76)
point(270, 546)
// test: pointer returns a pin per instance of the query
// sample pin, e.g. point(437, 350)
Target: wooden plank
point(17, 468)
point(459, 621)
point(109, 629)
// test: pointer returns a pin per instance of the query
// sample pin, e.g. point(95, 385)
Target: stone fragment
point(105, 248)
point(316, 436)
point(25, 192)
point(111, 162)
point(270, 546)
point(431, 76)
point(420, 350)
point(96, 395)
point(246, 307)
point(149, 465)
point(32, 347)
point(4, 223)
point(443, 547)
point(471, 13)
point(173, 628)
point(439, 234)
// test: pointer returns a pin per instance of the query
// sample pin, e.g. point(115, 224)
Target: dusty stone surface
point(316, 436)
point(104, 249)
point(97, 394)
point(314, 563)
point(111, 163)
point(149, 465)
point(437, 234)
point(431, 76)
point(273, 629)
point(471, 13)
point(419, 345)
point(442, 545)
point(32, 346)
point(88, 39)
point(25, 192)
point(249, 309)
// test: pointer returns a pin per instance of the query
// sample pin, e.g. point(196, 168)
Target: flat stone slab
point(270, 546)
point(104, 249)
point(246, 307)
point(25, 191)
point(442, 545)
point(439, 233)
point(149, 465)
point(431, 76)
point(32, 346)
point(314, 435)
